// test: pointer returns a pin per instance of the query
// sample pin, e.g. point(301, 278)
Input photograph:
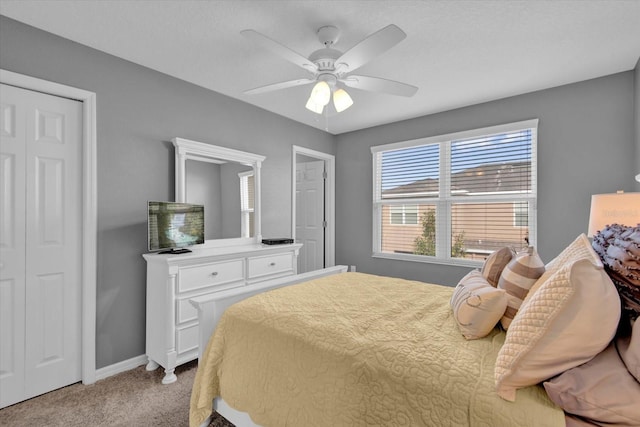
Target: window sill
point(428, 259)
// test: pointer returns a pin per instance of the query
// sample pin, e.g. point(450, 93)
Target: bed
point(354, 349)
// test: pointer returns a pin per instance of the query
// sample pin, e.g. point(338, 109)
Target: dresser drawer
point(263, 266)
point(185, 312)
point(190, 278)
point(187, 339)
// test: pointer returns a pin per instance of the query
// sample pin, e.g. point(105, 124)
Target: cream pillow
point(517, 278)
point(580, 248)
point(571, 317)
point(495, 263)
point(477, 306)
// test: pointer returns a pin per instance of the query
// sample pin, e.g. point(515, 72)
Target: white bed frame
point(210, 308)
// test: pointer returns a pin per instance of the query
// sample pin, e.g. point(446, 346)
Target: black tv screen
point(174, 225)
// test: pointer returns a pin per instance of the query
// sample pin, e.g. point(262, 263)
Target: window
point(458, 197)
point(403, 215)
point(247, 198)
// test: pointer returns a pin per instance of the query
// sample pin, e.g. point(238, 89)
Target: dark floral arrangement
point(619, 248)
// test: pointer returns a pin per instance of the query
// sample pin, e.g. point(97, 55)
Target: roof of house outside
point(493, 178)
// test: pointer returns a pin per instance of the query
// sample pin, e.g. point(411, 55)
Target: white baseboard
point(119, 367)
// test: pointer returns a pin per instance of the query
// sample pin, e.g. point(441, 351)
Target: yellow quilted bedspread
point(358, 350)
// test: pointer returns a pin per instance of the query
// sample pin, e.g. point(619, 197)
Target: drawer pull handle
point(272, 264)
point(215, 273)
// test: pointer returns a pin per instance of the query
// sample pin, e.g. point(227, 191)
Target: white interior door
point(40, 243)
point(310, 178)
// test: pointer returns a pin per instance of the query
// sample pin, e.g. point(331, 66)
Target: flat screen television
point(173, 226)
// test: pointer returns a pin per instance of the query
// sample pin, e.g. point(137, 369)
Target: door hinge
point(324, 224)
point(324, 174)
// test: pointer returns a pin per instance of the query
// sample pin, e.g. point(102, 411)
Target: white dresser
point(172, 322)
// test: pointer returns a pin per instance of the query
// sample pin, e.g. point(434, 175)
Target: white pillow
point(572, 316)
point(477, 306)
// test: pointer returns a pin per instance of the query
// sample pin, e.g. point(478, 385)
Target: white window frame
point(245, 211)
point(445, 200)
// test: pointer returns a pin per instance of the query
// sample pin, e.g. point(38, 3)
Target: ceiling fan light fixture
point(312, 106)
point(341, 100)
point(321, 93)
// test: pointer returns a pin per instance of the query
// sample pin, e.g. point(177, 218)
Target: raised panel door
point(310, 215)
point(12, 249)
point(45, 195)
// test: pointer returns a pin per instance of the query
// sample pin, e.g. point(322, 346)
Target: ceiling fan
point(331, 69)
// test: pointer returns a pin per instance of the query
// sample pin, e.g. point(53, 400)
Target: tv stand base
point(176, 251)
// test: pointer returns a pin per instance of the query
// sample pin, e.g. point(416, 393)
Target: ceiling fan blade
point(276, 86)
point(279, 49)
point(372, 46)
point(377, 84)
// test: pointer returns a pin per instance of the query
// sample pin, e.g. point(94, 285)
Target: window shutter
point(410, 172)
point(494, 164)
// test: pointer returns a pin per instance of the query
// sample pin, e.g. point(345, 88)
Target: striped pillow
point(517, 278)
point(495, 263)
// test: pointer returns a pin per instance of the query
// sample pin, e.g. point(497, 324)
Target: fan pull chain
point(326, 118)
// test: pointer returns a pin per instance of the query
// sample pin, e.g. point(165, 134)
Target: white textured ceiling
point(457, 52)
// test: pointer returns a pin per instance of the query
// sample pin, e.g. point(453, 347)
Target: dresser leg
point(152, 366)
point(169, 377)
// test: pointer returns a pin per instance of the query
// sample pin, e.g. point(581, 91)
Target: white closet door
point(44, 205)
point(310, 215)
point(12, 249)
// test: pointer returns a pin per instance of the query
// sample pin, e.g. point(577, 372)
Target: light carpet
point(133, 398)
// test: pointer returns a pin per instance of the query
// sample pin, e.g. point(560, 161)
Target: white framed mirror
point(227, 183)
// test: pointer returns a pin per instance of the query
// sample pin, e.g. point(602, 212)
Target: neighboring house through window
point(520, 214)
point(459, 196)
point(403, 215)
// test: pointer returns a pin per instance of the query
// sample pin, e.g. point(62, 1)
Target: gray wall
point(588, 143)
point(138, 112)
point(585, 146)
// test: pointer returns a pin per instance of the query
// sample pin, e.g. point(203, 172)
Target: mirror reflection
point(227, 191)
